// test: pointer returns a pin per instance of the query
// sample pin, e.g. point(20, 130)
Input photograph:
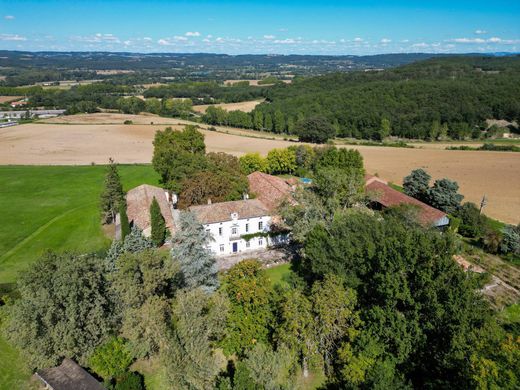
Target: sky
point(261, 27)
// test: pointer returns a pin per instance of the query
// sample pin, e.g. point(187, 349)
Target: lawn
point(278, 274)
point(51, 207)
point(13, 373)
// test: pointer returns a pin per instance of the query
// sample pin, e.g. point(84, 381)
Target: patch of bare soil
point(241, 106)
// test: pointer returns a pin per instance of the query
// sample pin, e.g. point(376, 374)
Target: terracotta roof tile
point(220, 212)
point(139, 200)
point(388, 197)
point(270, 190)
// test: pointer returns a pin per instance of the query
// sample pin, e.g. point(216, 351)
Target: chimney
point(245, 196)
point(209, 200)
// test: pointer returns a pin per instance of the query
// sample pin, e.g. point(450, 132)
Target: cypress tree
point(123, 220)
point(157, 222)
point(112, 195)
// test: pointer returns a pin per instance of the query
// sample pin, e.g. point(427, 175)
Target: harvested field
point(110, 118)
point(7, 99)
point(241, 106)
point(495, 174)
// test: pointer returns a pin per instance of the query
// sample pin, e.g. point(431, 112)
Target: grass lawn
point(13, 373)
point(51, 207)
point(278, 274)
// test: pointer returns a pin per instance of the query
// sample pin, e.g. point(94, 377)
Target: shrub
point(128, 122)
point(111, 359)
point(130, 381)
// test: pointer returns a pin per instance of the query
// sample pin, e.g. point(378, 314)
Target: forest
point(433, 99)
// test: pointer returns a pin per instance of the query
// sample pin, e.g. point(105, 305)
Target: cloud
point(9, 17)
point(180, 38)
point(192, 34)
point(283, 29)
point(385, 40)
point(420, 45)
point(97, 38)
point(147, 39)
point(288, 41)
point(358, 39)
point(269, 37)
point(495, 40)
point(163, 42)
point(480, 32)
point(12, 37)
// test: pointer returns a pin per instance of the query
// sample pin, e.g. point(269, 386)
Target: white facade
point(227, 235)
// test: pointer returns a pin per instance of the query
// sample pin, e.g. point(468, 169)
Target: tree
point(147, 327)
point(339, 188)
point(332, 157)
point(197, 264)
point(279, 122)
point(281, 161)
point(258, 120)
point(444, 195)
point(335, 315)
point(158, 225)
point(472, 221)
point(142, 275)
point(123, 220)
point(58, 293)
point(268, 122)
point(178, 154)
point(420, 309)
point(110, 359)
point(252, 162)
point(417, 184)
point(269, 369)
point(191, 361)
point(251, 312)
point(385, 129)
point(511, 240)
point(297, 328)
point(315, 129)
point(133, 243)
point(112, 194)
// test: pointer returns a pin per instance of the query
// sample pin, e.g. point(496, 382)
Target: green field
point(54, 208)
point(50, 208)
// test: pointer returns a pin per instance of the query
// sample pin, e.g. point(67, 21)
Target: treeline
point(432, 100)
point(207, 92)
point(34, 75)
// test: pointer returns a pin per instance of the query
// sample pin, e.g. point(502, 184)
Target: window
point(220, 231)
point(260, 225)
point(208, 230)
point(247, 227)
point(260, 241)
point(248, 244)
point(234, 231)
point(221, 248)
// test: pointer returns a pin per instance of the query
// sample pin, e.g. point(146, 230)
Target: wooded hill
point(452, 95)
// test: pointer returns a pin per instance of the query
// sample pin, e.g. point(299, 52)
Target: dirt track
point(495, 174)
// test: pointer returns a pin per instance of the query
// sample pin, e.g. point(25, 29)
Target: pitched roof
point(220, 212)
point(388, 197)
point(68, 376)
point(270, 190)
point(139, 200)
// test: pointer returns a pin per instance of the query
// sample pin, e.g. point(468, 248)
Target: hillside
point(420, 100)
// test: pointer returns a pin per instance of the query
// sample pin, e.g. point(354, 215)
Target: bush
point(111, 359)
point(128, 122)
point(129, 381)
